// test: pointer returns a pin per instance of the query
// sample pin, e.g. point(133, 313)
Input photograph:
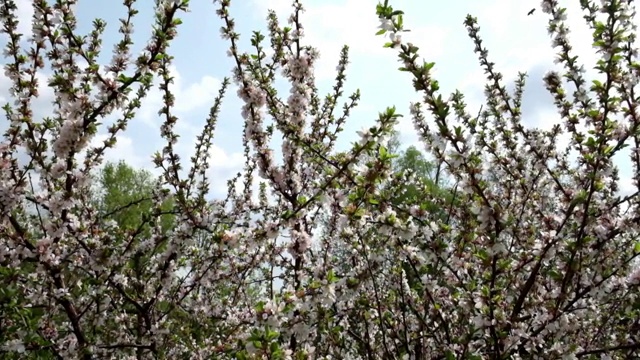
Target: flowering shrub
point(534, 256)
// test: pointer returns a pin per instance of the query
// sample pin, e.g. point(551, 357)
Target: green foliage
point(428, 191)
point(125, 196)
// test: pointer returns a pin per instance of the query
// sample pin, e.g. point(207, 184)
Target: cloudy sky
point(516, 42)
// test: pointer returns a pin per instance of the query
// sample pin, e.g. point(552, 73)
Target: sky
point(516, 42)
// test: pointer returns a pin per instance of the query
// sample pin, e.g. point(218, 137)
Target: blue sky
point(516, 42)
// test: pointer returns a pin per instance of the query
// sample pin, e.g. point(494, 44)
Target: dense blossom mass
point(516, 249)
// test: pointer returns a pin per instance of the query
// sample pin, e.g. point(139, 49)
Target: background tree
point(124, 195)
point(425, 190)
point(120, 193)
point(427, 179)
point(414, 184)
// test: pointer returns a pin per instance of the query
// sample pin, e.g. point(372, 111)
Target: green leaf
point(428, 65)
point(274, 347)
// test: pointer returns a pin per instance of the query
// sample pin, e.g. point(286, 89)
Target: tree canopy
point(492, 243)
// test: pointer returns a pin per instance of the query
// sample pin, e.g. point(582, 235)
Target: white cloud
point(25, 15)
point(329, 25)
point(222, 160)
point(223, 165)
point(627, 186)
point(124, 150)
point(188, 97)
point(41, 106)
